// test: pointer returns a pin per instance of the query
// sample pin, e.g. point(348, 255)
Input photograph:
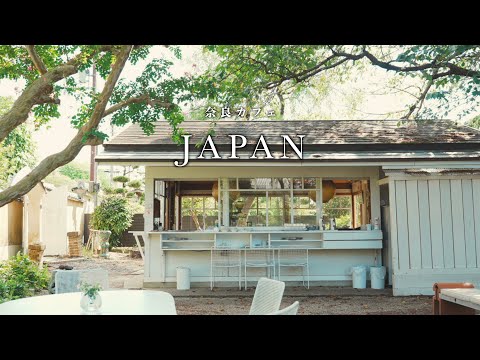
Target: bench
point(468, 298)
point(446, 307)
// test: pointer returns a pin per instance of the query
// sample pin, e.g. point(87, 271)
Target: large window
point(244, 202)
point(198, 212)
point(270, 201)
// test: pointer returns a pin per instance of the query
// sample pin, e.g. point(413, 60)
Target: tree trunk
point(54, 161)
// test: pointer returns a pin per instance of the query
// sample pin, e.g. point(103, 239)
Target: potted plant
point(91, 300)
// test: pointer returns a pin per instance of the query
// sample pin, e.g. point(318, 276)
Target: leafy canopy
point(246, 74)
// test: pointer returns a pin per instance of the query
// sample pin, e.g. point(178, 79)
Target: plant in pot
point(91, 300)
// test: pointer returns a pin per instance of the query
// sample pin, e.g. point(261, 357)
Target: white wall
point(54, 219)
point(435, 231)
point(35, 213)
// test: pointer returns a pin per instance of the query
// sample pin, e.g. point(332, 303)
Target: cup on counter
point(369, 227)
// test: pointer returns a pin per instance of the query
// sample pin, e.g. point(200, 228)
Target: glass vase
point(91, 305)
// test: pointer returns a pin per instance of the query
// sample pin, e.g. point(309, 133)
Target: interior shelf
point(303, 240)
point(188, 241)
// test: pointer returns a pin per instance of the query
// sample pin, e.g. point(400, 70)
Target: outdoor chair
point(289, 310)
point(259, 258)
point(225, 258)
point(67, 281)
point(294, 258)
point(268, 296)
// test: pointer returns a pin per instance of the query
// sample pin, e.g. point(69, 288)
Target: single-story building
point(44, 215)
point(405, 195)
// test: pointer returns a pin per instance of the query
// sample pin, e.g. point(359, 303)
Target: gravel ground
point(321, 305)
point(122, 268)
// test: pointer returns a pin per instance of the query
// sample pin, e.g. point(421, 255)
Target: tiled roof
point(318, 132)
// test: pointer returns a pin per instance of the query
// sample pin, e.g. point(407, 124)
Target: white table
point(114, 302)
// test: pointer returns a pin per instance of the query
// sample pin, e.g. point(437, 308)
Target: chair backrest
point(289, 310)
point(67, 281)
point(268, 296)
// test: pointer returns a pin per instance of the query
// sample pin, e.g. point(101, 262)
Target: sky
point(362, 92)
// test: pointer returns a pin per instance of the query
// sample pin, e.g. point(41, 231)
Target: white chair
point(289, 310)
point(259, 258)
point(294, 258)
point(268, 296)
point(67, 281)
point(225, 258)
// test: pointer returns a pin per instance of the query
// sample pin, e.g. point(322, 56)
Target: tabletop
point(114, 302)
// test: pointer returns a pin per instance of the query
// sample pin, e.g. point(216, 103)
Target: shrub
point(121, 179)
point(108, 190)
point(135, 184)
point(20, 277)
point(120, 191)
point(115, 214)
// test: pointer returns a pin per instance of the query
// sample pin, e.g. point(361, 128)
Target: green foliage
point(90, 290)
point(135, 184)
point(251, 74)
point(17, 150)
point(20, 277)
point(108, 190)
point(115, 214)
point(75, 171)
point(120, 191)
point(57, 179)
point(475, 122)
point(245, 74)
point(344, 221)
point(121, 179)
point(340, 208)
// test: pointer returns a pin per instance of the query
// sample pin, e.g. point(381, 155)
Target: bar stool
point(226, 258)
point(259, 258)
point(294, 258)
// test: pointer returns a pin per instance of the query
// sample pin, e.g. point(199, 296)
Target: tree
point(75, 171)
point(251, 74)
point(475, 122)
point(115, 214)
point(48, 72)
point(17, 150)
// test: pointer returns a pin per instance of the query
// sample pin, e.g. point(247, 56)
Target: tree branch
point(54, 161)
point(419, 103)
point(37, 61)
point(38, 91)
point(344, 56)
point(282, 103)
point(136, 100)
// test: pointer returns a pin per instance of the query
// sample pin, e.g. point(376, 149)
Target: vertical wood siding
point(437, 223)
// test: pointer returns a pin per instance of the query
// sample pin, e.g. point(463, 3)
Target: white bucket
point(377, 276)
point(183, 278)
point(359, 276)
